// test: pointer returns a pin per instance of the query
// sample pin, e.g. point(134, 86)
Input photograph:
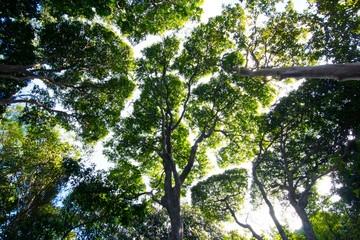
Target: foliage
point(156, 134)
point(327, 225)
point(347, 177)
point(35, 164)
point(134, 18)
point(78, 71)
point(16, 34)
point(84, 66)
point(302, 121)
point(305, 137)
point(347, 187)
point(155, 226)
point(335, 30)
point(219, 193)
point(279, 39)
point(196, 95)
point(101, 203)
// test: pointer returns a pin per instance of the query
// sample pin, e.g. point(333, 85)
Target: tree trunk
point(340, 72)
point(268, 203)
point(171, 202)
point(177, 227)
point(5, 68)
point(299, 204)
point(308, 229)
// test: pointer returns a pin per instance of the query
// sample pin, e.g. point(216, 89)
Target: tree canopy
point(83, 64)
point(195, 101)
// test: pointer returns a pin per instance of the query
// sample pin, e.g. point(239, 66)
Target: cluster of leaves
point(16, 34)
point(101, 203)
point(305, 137)
point(219, 194)
point(37, 168)
point(84, 67)
point(35, 164)
point(335, 29)
point(278, 39)
point(134, 18)
point(156, 225)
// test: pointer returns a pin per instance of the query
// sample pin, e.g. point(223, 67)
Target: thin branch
point(32, 101)
point(268, 203)
point(247, 226)
point(41, 62)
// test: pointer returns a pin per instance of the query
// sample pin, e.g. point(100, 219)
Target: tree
point(85, 68)
point(135, 19)
point(274, 52)
point(35, 164)
point(74, 60)
point(156, 225)
point(16, 35)
point(156, 133)
point(347, 187)
point(305, 138)
point(37, 168)
point(335, 30)
point(222, 195)
point(327, 225)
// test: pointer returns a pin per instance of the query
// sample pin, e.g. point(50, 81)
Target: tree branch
point(247, 226)
point(340, 72)
point(32, 101)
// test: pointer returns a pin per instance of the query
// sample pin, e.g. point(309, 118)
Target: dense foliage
point(35, 164)
point(189, 104)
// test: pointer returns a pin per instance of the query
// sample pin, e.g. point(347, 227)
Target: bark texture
point(340, 72)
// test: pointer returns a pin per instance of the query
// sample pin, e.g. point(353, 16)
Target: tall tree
point(173, 104)
point(306, 137)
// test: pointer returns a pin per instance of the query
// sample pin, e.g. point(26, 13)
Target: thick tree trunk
point(171, 198)
point(171, 201)
point(340, 72)
point(4, 68)
point(308, 229)
point(177, 227)
point(299, 204)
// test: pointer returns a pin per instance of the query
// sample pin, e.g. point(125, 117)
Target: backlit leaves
point(215, 195)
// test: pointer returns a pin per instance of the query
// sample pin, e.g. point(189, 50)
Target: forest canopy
point(194, 126)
